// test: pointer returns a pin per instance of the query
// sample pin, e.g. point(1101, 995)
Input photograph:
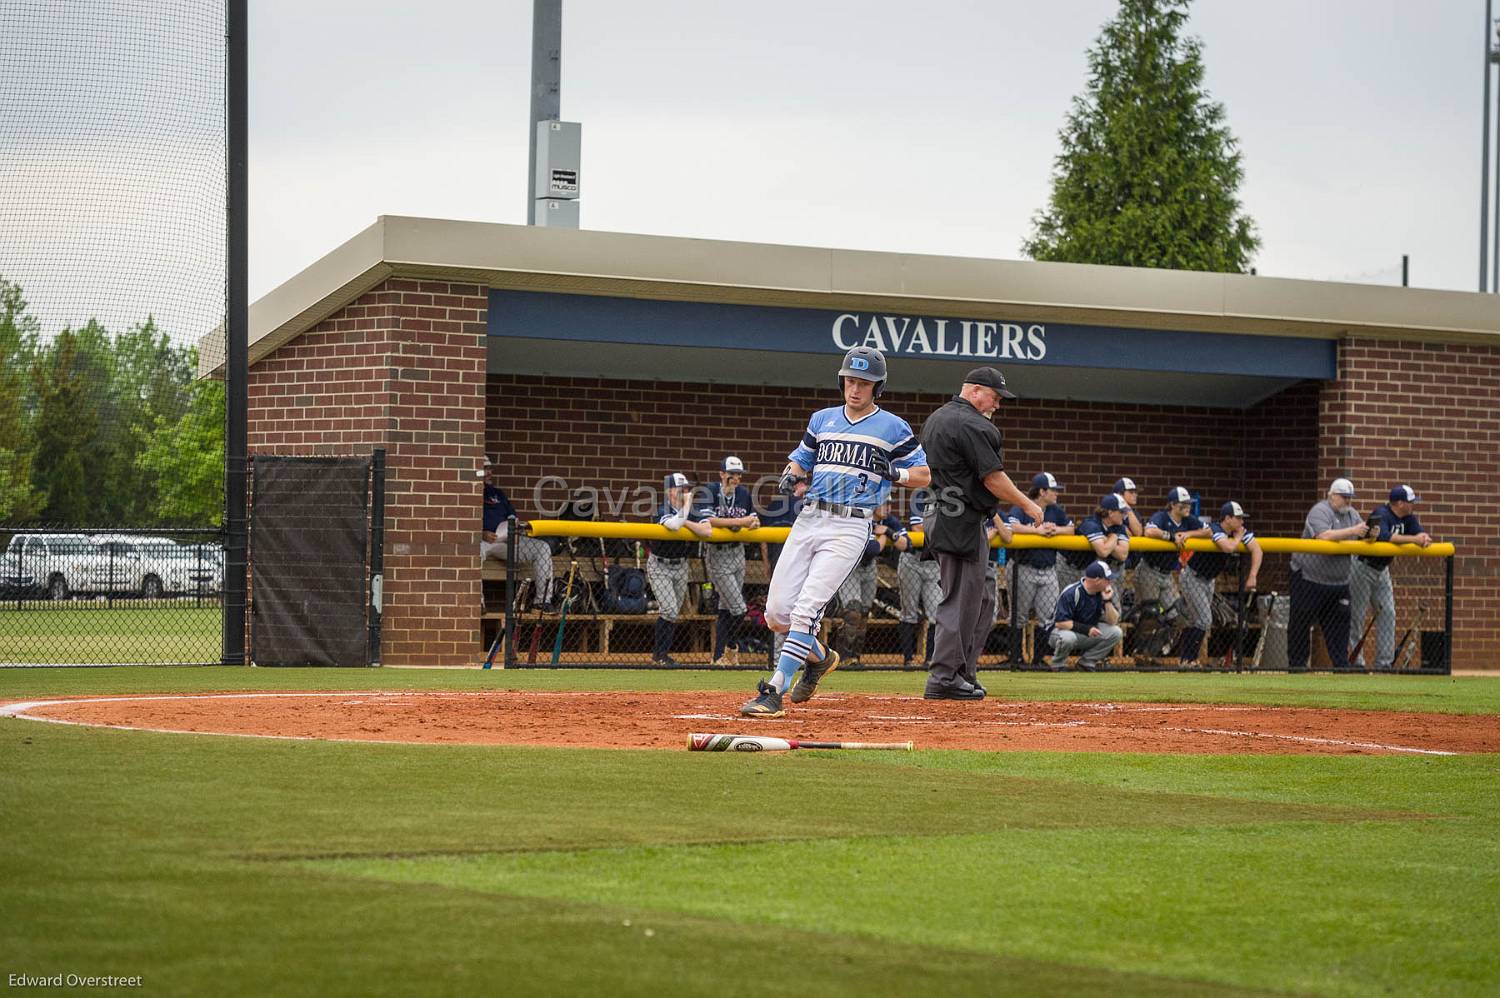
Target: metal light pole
point(1493, 53)
point(546, 83)
point(1484, 161)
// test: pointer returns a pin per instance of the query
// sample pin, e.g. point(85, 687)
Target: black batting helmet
point(865, 363)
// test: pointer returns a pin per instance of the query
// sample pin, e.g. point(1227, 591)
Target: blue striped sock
point(798, 647)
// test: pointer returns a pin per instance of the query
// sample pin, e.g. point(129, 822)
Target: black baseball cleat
point(959, 690)
point(812, 675)
point(666, 661)
point(766, 705)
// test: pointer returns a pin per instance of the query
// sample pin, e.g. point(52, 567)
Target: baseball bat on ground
point(759, 743)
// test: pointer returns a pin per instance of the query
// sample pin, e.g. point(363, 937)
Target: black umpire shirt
point(962, 447)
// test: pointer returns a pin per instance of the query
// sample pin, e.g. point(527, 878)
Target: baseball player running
point(727, 503)
point(854, 453)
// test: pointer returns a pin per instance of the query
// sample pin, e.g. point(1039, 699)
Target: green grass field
point(92, 631)
point(245, 866)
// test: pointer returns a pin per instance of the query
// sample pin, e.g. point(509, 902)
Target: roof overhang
point(582, 262)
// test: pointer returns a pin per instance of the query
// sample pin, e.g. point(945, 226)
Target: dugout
point(608, 359)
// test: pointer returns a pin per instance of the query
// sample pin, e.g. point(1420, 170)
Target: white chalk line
point(21, 710)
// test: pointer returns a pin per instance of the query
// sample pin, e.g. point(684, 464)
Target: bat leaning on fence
point(562, 618)
point(1265, 628)
point(1360, 645)
point(1401, 661)
point(489, 661)
point(758, 743)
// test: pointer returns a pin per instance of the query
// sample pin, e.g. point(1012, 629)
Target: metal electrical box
point(555, 214)
point(558, 146)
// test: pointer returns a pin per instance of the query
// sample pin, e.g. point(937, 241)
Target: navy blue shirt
point(1208, 564)
point(1093, 529)
point(497, 509)
point(675, 548)
point(1390, 526)
point(712, 501)
point(1038, 557)
point(1168, 561)
point(1083, 608)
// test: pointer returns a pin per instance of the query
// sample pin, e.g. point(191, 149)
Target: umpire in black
point(968, 480)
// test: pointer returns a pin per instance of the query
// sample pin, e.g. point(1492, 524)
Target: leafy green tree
point(65, 379)
point(1149, 173)
point(20, 500)
point(148, 390)
point(185, 458)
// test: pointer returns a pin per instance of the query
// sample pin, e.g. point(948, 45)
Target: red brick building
point(607, 360)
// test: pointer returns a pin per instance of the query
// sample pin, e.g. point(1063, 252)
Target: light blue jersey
point(841, 455)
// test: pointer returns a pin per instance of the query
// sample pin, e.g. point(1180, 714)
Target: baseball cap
point(1109, 502)
point(1179, 494)
point(732, 463)
point(676, 480)
point(1232, 508)
point(989, 377)
point(1404, 493)
point(1341, 487)
point(1044, 480)
point(1125, 485)
point(1096, 570)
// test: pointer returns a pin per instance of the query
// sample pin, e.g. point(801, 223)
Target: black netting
point(309, 537)
point(112, 293)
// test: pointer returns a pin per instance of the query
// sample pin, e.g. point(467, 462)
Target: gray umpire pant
point(668, 579)
point(532, 551)
point(1091, 650)
point(958, 617)
point(1370, 589)
point(726, 570)
point(921, 589)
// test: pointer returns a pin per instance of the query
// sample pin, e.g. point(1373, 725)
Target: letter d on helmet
point(865, 363)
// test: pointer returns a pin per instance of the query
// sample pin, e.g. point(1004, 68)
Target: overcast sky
point(926, 128)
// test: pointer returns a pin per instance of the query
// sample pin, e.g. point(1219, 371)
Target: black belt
point(839, 509)
point(668, 561)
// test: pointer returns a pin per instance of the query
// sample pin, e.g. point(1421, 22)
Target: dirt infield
point(663, 720)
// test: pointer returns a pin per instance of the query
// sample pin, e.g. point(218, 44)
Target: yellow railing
point(776, 535)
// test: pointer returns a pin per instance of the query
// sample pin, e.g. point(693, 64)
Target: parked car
point(56, 564)
point(15, 580)
point(152, 567)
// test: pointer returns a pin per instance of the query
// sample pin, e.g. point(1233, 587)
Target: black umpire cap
point(991, 378)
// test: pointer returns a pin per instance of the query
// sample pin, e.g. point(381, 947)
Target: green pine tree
point(67, 388)
point(20, 500)
point(1149, 173)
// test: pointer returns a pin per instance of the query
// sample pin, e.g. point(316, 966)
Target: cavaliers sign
point(905, 334)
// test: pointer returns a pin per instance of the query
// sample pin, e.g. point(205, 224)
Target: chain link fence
point(587, 595)
point(110, 596)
